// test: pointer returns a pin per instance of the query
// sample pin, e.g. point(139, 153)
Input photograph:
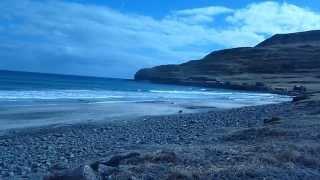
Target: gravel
point(32, 153)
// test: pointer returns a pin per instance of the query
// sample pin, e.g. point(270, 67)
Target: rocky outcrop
point(280, 62)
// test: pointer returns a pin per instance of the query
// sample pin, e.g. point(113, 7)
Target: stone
point(300, 98)
point(116, 160)
point(58, 167)
point(104, 170)
point(260, 84)
point(81, 173)
point(299, 88)
point(273, 120)
point(165, 157)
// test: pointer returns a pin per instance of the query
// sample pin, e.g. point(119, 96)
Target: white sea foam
point(58, 94)
point(202, 92)
point(107, 96)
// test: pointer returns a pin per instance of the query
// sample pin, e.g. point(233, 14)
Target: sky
point(115, 38)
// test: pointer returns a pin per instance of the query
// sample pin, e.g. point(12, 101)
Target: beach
point(60, 127)
point(159, 90)
point(269, 141)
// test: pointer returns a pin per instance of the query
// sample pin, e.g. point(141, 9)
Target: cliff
point(279, 63)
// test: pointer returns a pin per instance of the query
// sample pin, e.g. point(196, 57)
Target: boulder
point(81, 173)
point(164, 157)
point(299, 88)
point(300, 98)
point(272, 120)
point(105, 171)
point(260, 84)
point(115, 161)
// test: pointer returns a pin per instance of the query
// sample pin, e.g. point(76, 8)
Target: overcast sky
point(115, 38)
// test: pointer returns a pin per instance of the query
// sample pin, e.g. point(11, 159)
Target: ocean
point(26, 87)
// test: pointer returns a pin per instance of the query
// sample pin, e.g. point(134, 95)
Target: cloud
point(199, 15)
point(272, 17)
point(65, 37)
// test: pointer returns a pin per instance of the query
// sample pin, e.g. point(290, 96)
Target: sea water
point(25, 87)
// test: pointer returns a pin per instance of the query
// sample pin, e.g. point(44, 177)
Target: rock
point(35, 165)
point(4, 143)
point(116, 160)
point(260, 84)
point(299, 89)
point(58, 135)
point(179, 176)
point(300, 98)
point(165, 157)
point(81, 173)
point(280, 89)
point(104, 170)
point(122, 139)
point(123, 175)
point(58, 167)
point(273, 120)
point(199, 78)
point(245, 84)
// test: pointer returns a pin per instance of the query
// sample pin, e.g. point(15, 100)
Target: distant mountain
point(300, 38)
point(282, 61)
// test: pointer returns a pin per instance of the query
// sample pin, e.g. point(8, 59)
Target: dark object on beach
point(81, 173)
point(299, 89)
point(180, 176)
point(165, 157)
point(245, 84)
point(105, 171)
point(180, 111)
point(228, 83)
point(58, 167)
point(199, 78)
point(273, 120)
point(260, 84)
point(281, 89)
point(115, 160)
point(300, 98)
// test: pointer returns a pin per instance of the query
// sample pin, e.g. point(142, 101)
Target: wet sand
point(28, 115)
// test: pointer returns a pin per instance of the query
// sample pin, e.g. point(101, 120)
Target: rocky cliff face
point(281, 61)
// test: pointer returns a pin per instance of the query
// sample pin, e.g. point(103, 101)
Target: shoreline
point(121, 120)
point(26, 114)
point(259, 87)
point(35, 153)
point(62, 114)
